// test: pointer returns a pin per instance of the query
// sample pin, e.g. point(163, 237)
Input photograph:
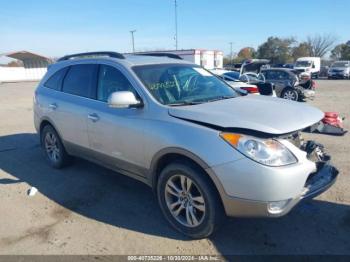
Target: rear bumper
point(317, 183)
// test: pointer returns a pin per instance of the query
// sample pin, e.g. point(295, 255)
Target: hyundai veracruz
point(206, 150)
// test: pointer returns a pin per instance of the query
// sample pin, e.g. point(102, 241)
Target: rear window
point(80, 80)
point(55, 81)
point(341, 64)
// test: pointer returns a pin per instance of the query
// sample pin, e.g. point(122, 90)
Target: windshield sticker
point(162, 85)
point(202, 71)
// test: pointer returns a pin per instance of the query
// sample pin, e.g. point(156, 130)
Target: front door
point(115, 134)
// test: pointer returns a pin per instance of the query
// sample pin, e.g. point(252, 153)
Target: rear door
point(70, 105)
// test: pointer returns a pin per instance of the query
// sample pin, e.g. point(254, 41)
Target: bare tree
point(320, 44)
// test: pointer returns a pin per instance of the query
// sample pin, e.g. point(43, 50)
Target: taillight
point(251, 89)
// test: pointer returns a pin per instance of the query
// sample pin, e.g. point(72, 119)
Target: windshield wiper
point(220, 98)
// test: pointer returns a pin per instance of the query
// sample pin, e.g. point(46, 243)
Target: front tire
point(290, 94)
point(53, 148)
point(189, 200)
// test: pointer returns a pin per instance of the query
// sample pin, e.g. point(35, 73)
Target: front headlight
point(268, 152)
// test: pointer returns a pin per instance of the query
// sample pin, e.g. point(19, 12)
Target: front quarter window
point(179, 84)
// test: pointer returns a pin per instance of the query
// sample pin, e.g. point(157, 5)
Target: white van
point(311, 65)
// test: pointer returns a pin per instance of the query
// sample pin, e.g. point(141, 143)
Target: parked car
point(266, 89)
point(235, 83)
point(288, 85)
point(206, 150)
point(339, 69)
point(290, 66)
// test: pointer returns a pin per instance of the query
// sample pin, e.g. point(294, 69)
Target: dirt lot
point(86, 209)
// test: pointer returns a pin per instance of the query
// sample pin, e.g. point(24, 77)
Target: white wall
point(209, 59)
point(14, 74)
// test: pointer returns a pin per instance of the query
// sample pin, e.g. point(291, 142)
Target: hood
point(338, 68)
point(269, 115)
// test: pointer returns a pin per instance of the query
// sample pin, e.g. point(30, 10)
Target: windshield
point(182, 84)
point(303, 64)
point(340, 64)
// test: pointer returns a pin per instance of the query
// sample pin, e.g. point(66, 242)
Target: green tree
point(277, 50)
point(346, 52)
point(341, 52)
point(301, 50)
point(336, 53)
point(246, 53)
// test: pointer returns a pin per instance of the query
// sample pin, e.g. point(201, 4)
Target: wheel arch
point(169, 155)
point(47, 121)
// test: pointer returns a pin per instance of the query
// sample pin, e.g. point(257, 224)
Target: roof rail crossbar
point(103, 53)
point(170, 55)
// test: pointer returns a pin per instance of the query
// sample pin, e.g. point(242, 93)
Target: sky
point(58, 27)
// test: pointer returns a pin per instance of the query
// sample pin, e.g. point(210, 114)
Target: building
point(34, 67)
point(209, 59)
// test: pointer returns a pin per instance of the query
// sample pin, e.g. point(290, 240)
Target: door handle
point(93, 117)
point(53, 106)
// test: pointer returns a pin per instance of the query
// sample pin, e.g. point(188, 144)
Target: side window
point(282, 75)
point(80, 80)
point(271, 75)
point(111, 80)
point(55, 81)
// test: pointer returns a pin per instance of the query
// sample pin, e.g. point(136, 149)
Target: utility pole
point(231, 53)
point(175, 2)
point(132, 40)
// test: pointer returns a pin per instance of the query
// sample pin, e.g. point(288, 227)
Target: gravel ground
point(87, 209)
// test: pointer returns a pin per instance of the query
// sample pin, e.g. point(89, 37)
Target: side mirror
point(123, 99)
point(313, 66)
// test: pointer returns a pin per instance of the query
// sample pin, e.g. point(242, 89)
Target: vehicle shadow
point(315, 227)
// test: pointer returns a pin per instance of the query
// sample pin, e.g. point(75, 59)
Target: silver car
point(339, 69)
point(206, 150)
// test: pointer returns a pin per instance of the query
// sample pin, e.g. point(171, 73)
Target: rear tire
point(53, 148)
point(189, 200)
point(290, 94)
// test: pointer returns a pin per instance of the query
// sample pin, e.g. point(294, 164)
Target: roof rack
point(103, 53)
point(170, 55)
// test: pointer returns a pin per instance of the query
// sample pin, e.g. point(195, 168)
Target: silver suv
point(339, 69)
point(206, 150)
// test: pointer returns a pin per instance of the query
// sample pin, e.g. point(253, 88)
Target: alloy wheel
point(51, 147)
point(185, 201)
point(290, 95)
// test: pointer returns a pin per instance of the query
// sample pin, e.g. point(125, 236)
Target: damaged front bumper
point(320, 181)
point(272, 192)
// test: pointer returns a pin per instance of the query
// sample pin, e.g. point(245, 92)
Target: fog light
point(277, 206)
